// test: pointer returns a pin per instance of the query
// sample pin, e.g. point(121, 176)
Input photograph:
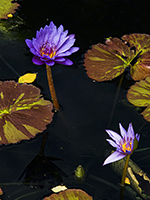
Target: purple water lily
point(124, 145)
point(52, 45)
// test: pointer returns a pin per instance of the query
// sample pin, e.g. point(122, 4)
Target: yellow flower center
point(48, 51)
point(126, 147)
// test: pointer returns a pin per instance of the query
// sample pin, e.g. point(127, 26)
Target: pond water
point(77, 133)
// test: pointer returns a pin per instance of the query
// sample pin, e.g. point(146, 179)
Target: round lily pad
point(23, 112)
point(70, 194)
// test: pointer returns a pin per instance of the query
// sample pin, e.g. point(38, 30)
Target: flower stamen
point(126, 145)
point(47, 51)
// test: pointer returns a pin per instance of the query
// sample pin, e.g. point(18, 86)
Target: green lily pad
point(6, 7)
point(139, 95)
point(106, 62)
point(23, 112)
point(70, 194)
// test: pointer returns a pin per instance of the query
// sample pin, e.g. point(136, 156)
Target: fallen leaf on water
point(27, 78)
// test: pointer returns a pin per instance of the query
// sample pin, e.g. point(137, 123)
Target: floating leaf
point(139, 95)
point(106, 62)
point(23, 113)
point(6, 7)
point(27, 78)
point(141, 42)
point(59, 188)
point(102, 64)
point(70, 194)
point(141, 69)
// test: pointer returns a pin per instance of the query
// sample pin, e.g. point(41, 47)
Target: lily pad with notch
point(23, 112)
point(107, 61)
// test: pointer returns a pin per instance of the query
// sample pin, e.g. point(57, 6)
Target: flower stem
point(51, 87)
point(123, 177)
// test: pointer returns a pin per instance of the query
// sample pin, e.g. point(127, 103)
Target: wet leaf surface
point(70, 194)
point(139, 95)
point(23, 113)
point(7, 7)
point(106, 62)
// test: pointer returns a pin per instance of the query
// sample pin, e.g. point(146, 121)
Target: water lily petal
point(112, 143)
point(62, 39)
point(66, 62)
point(115, 156)
point(115, 136)
point(67, 45)
point(44, 35)
point(36, 60)
point(36, 44)
point(56, 38)
point(131, 131)
point(137, 137)
point(60, 59)
point(50, 62)
point(71, 36)
point(29, 43)
point(74, 49)
point(52, 25)
point(33, 51)
point(123, 131)
point(67, 53)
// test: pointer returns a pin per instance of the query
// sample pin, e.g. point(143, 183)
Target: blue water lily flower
point(124, 145)
point(52, 45)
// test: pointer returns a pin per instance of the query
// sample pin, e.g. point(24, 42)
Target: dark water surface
point(77, 134)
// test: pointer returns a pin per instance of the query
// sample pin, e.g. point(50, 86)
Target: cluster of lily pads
point(107, 61)
point(24, 112)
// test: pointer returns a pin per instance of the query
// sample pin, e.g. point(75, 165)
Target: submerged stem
point(44, 139)
point(51, 87)
point(123, 177)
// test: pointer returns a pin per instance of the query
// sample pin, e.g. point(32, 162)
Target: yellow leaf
point(9, 15)
point(27, 78)
point(59, 188)
point(127, 181)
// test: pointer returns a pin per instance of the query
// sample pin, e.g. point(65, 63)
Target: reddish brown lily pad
point(23, 112)
point(106, 62)
point(6, 7)
point(139, 95)
point(70, 194)
point(141, 42)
